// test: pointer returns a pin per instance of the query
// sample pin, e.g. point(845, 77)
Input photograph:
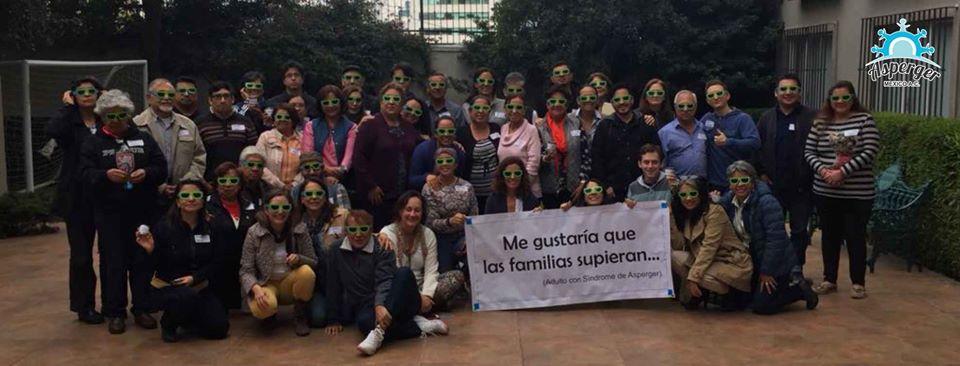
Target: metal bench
point(893, 223)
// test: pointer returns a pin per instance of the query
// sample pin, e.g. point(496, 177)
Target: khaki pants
point(681, 260)
point(296, 286)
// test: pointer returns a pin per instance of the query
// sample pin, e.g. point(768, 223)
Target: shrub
point(26, 213)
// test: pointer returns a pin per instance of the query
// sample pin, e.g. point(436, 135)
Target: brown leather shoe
point(145, 321)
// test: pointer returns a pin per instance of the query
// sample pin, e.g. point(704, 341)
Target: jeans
point(403, 303)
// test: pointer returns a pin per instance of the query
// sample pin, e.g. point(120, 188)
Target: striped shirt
point(859, 181)
point(484, 165)
point(225, 138)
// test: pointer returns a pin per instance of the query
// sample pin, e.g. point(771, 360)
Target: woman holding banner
point(511, 189)
point(588, 193)
point(706, 252)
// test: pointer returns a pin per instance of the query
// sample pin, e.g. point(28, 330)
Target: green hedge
point(26, 213)
point(929, 149)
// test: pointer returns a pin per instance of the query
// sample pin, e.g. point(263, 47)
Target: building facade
point(441, 21)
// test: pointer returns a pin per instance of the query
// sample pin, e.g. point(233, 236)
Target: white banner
point(589, 254)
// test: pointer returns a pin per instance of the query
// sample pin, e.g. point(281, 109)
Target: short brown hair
point(646, 149)
point(225, 168)
point(361, 217)
point(715, 82)
point(328, 89)
point(392, 86)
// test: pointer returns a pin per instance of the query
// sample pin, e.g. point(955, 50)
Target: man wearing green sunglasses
point(617, 141)
point(731, 135)
point(177, 136)
point(185, 100)
point(684, 139)
point(439, 105)
point(561, 75)
point(224, 132)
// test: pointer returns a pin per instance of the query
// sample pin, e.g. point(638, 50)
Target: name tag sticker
point(575, 133)
point(93, 130)
point(250, 207)
point(238, 127)
point(335, 230)
point(462, 189)
point(294, 151)
point(709, 124)
point(499, 115)
point(133, 143)
point(200, 239)
point(792, 127)
point(494, 136)
point(184, 133)
point(701, 136)
point(849, 133)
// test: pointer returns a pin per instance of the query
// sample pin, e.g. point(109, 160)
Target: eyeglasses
point(85, 91)
point(252, 85)
point(163, 94)
point(414, 111)
point(561, 72)
point(789, 89)
point(686, 107)
point(273, 207)
point(446, 161)
point(228, 181)
point(553, 102)
point(223, 96)
point(118, 116)
point(739, 181)
point(330, 102)
point(253, 164)
point(352, 77)
point(314, 194)
point(622, 99)
point(837, 98)
point(446, 131)
point(437, 85)
point(514, 174)
point(483, 81)
point(716, 95)
point(514, 107)
point(283, 117)
point(598, 83)
point(311, 166)
point(655, 93)
point(187, 91)
point(587, 98)
point(190, 195)
point(391, 99)
point(480, 108)
point(514, 90)
point(402, 79)
point(686, 195)
point(358, 229)
point(592, 190)
point(354, 100)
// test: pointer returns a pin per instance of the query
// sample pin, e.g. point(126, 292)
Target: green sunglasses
point(513, 174)
point(691, 194)
point(228, 181)
point(402, 79)
point(483, 81)
point(514, 107)
point(446, 131)
point(314, 194)
point(286, 207)
point(358, 229)
point(561, 72)
point(480, 108)
point(190, 195)
point(252, 85)
point(85, 91)
point(446, 161)
point(686, 107)
point(391, 99)
point(118, 116)
point(787, 89)
point(330, 102)
point(352, 77)
point(716, 95)
point(187, 91)
point(514, 90)
point(354, 100)
point(553, 102)
point(592, 190)
point(837, 98)
point(282, 117)
point(162, 94)
point(253, 164)
point(437, 85)
point(599, 83)
point(415, 112)
point(655, 93)
point(622, 99)
point(739, 181)
point(587, 98)
point(311, 166)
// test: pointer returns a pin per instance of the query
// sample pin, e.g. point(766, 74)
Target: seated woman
point(186, 256)
point(276, 265)
point(588, 193)
point(231, 215)
point(417, 248)
point(758, 221)
point(325, 223)
point(365, 286)
point(511, 189)
point(706, 253)
point(451, 199)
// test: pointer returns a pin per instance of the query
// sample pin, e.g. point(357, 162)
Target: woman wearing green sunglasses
point(186, 253)
point(484, 82)
point(758, 220)
point(281, 148)
point(588, 193)
point(511, 189)
point(326, 224)
point(231, 215)
point(601, 83)
point(561, 134)
point(333, 136)
point(277, 264)
point(451, 200)
point(652, 107)
point(707, 255)
point(480, 141)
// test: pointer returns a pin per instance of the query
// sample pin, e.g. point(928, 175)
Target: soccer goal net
point(32, 93)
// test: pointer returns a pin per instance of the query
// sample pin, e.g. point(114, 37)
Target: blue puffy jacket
point(770, 248)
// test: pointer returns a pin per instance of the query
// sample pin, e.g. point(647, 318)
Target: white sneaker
point(372, 343)
point(431, 327)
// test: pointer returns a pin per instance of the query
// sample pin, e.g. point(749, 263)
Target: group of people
point(352, 207)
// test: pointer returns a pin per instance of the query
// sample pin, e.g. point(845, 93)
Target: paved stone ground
point(909, 318)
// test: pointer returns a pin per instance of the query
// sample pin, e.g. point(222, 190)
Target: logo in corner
point(901, 57)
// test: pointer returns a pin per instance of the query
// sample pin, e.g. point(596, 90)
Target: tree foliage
point(686, 42)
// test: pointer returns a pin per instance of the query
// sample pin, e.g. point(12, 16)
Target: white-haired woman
point(122, 167)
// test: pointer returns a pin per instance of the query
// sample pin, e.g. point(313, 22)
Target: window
point(808, 52)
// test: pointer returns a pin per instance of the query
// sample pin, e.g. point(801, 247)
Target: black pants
point(844, 221)
point(403, 303)
point(199, 311)
point(122, 261)
point(225, 284)
point(83, 280)
point(482, 204)
point(799, 207)
point(447, 247)
point(772, 303)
